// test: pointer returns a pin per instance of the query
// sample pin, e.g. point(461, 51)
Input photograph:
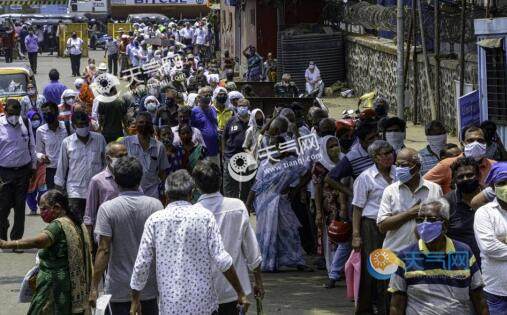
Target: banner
point(160, 2)
point(469, 113)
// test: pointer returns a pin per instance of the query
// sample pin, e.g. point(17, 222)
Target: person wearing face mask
point(253, 135)
point(18, 163)
point(204, 118)
point(436, 135)
point(174, 152)
point(474, 145)
point(74, 47)
point(32, 100)
point(330, 205)
point(81, 158)
point(413, 286)
point(490, 226)
point(66, 106)
point(394, 132)
point(401, 201)
point(465, 175)
point(495, 149)
point(37, 185)
point(149, 152)
point(32, 47)
point(356, 160)
point(313, 80)
point(232, 143)
point(112, 115)
point(184, 113)
point(151, 105)
point(64, 233)
point(366, 236)
point(102, 186)
point(221, 105)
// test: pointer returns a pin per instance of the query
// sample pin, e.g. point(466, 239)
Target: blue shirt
point(206, 121)
point(53, 92)
point(353, 164)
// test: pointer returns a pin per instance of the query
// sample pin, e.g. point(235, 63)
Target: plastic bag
point(27, 285)
point(353, 275)
point(102, 304)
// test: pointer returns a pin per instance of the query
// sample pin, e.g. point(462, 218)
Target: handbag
point(102, 304)
point(28, 285)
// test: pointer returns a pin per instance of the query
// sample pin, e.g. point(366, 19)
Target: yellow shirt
point(223, 117)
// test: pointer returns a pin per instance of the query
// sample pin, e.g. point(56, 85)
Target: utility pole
point(462, 50)
point(400, 78)
point(437, 55)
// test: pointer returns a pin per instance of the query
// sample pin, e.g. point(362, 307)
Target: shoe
point(331, 284)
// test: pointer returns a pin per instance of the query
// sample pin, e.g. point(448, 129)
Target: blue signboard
point(469, 112)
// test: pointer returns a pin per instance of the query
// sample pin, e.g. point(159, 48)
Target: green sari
point(63, 282)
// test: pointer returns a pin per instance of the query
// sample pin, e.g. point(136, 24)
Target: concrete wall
point(371, 65)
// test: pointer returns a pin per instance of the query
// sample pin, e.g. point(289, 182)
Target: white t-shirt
point(74, 45)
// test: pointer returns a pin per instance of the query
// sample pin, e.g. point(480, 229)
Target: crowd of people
point(138, 189)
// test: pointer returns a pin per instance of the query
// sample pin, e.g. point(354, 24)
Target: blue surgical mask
point(35, 123)
point(429, 231)
point(243, 111)
point(403, 174)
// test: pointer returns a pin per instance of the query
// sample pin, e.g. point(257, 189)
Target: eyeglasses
point(427, 219)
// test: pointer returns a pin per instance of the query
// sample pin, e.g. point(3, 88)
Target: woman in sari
point(277, 225)
point(192, 152)
point(63, 281)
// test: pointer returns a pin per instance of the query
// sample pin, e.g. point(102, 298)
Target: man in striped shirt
point(436, 275)
point(357, 159)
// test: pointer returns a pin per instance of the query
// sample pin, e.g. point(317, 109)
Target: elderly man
point(474, 145)
point(437, 275)
point(81, 158)
point(17, 164)
point(149, 152)
point(119, 227)
point(237, 234)
point(401, 201)
point(185, 244)
point(286, 87)
point(490, 227)
point(366, 237)
point(102, 186)
point(204, 118)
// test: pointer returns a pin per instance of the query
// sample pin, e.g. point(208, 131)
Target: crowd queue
point(99, 166)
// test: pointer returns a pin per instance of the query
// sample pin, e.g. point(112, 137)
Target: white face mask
point(475, 150)
point(83, 132)
point(151, 107)
point(396, 139)
point(437, 143)
point(70, 101)
point(35, 123)
point(13, 120)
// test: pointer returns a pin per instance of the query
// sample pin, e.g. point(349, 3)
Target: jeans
point(112, 64)
point(340, 256)
point(148, 307)
point(75, 64)
point(13, 195)
point(497, 304)
point(32, 58)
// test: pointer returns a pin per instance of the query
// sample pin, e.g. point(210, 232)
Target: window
point(496, 74)
point(252, 17)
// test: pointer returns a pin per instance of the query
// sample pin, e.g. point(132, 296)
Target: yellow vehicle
point(13, 81)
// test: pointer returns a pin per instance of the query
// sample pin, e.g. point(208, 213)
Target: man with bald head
point(102, 186)
point(401, 201)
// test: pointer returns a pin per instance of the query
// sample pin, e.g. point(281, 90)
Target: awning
point(33, 2)
point(493, 42)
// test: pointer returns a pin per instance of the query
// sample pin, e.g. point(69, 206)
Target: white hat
point(103, 85)
point(102, 66)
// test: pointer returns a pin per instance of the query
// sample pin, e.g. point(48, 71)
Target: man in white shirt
point(74, 47)
point(82, 156)
point(48, 140)
point(238, 236)
point(490, 227)
point(184, 242)
point(187, 34)
point(401, 201)
point(200, 35)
